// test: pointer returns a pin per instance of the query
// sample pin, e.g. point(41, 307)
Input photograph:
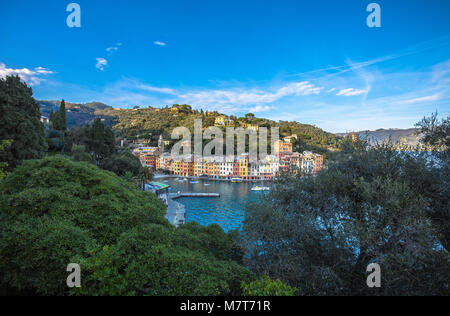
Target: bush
point(266, 287)
point(56, 211)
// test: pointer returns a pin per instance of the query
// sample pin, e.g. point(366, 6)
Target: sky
point(315, 62)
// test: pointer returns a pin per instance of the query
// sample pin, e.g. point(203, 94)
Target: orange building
point(283, 147)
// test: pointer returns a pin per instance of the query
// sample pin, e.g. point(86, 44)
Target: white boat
point(194, 182)
point(258, 188)
point(236, 180)
point(207, 184)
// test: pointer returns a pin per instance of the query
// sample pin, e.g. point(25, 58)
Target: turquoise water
point(228, 211)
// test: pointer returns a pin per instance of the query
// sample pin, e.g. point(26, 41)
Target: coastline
point(163, 176)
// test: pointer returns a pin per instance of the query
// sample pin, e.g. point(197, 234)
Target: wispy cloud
point(101, 63)
point(112, 49)
point(428, 98)
point(159, 43)
point(351, 92)
point(31, 76)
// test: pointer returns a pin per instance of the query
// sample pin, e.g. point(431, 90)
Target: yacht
point(258, 188)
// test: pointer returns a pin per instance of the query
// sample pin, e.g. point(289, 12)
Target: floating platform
point(199, 195)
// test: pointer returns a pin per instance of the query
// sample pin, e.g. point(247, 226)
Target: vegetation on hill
point(148, 123)
point(56, 211)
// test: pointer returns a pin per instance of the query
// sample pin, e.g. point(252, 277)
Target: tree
point(122, 163)
point(320, 233)
point(267, 287)
point(79, 153)
point(58, 119)
point(436, 177)
point(3, 165)
point(101, 140)
point(20, 123)
point(56, 211)
point(145, 176)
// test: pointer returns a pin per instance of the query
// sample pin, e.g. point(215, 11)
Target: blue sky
point(315, 62)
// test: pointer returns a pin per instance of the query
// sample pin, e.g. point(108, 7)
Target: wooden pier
point(175, 196)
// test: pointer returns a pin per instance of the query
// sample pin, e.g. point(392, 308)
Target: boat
point(236, 180)
point(207, 184)
point(258, 188)
point(194, 182)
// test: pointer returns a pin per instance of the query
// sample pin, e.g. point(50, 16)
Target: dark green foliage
point(79, 154)
point(56, 211)
point(102, 140)
point(20, 123)
point(373, 205)
point(121, 163)
point(58, 119)
point(98, 140)
point(3, 146)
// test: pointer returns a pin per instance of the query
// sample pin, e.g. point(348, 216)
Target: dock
point(175, 196)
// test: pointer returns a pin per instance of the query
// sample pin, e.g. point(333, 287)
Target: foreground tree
point(56, 211)
point(436, 138)
point(3, 165)
point(319, 234)
point(20, 123)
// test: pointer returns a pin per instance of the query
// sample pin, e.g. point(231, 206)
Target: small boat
point(207, 184)
point(236, 180)
point(258, 188)
point(194, 182)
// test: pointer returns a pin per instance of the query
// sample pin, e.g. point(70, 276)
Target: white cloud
point(159, 43)
point(242, 97)
point(101, 63)
point(30, 76)
point(351, 92)
point(433, 97)
point(260, 108)
point(112, 49)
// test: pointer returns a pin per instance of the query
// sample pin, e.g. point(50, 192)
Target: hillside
point(148, 123)
point(79, 114)
point(402, 136)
